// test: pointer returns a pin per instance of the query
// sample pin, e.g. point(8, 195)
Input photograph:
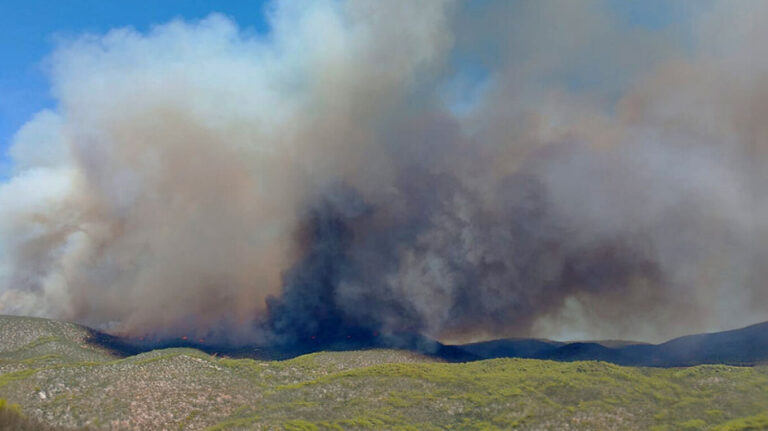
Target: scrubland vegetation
point(12, 419)
point(58, 378)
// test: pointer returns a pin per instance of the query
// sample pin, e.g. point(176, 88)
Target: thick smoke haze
point(461, 170)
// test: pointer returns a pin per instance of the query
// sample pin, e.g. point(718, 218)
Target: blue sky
point(29, 28)
point(656, 13)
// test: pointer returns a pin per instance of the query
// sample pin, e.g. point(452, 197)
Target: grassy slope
point(54, 375)
point(12, 419)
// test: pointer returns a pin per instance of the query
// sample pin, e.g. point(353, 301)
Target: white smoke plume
point(463, 170)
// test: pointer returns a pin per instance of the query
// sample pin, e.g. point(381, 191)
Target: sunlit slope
point(51, 341)
point(371, 389)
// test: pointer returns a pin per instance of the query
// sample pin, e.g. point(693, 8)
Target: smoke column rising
point(461, 170)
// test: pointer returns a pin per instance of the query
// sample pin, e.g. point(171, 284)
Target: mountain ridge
point(743, 346)
point(57, 376)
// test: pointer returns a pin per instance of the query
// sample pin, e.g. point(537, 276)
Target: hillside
point(745, 346)
point(51, 371)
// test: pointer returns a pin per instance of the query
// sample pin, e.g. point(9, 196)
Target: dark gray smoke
point(458, 170)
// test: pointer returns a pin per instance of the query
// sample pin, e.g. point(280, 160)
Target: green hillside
point(50, 370)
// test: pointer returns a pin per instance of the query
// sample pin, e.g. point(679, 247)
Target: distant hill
point(745, 346)
point(512, 348)
point(60, 374)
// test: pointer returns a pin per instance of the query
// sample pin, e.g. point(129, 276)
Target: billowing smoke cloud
point(479, 169)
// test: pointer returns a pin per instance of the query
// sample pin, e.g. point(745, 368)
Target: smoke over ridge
point(462, 170)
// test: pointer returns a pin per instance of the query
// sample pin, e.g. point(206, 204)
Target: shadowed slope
point(745, 346)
